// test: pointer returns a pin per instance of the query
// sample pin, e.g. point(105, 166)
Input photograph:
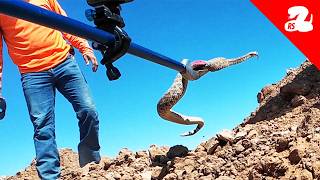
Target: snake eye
point(198, 65)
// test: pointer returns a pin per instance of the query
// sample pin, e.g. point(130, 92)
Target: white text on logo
point(299, 23)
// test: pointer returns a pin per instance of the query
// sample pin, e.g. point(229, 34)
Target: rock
point(254, 175)
point(206, 177)
point(171, 176)
point(295, 156)
point(224, 178)
point(240, 135)
point(156, 154)
point(226, 136)
point(317, 130)
point(116, 176)
point(246, 143)
point(189, 168)
point(156, 172)
point(211, 145)
point(306, 175)
point(282, 144)
point(126, 177)
point(252, 134)
point(146, 175)
point(298, 101)
point(265, 92)
point(177, 151)
point(142, 154)
point(271, 166)
point(213, 148)
point(293, 128)
point(290, 90)
point(291, 71)
point(305, 128)
point(316, 169)
point(125, 155)
point(260, 97)
point(239, 148)
point(200, 148)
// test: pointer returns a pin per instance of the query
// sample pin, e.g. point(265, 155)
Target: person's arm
point(75, 41)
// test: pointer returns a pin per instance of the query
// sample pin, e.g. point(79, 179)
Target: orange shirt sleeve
point(75, 41)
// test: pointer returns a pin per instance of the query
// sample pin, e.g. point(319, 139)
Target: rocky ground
point(280, 140)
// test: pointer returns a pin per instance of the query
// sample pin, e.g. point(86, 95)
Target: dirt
point(279, 140)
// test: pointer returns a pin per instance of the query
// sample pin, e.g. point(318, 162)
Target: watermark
point(297, 20)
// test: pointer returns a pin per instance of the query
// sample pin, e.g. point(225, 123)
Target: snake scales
point(179, 86)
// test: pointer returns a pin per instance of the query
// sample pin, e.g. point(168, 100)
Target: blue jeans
point(39, 91)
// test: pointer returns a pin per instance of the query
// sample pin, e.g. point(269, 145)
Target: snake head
point(199, 65)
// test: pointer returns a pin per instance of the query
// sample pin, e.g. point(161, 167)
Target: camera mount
point(106, 15)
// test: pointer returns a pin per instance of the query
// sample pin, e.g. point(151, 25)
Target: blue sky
point(180, 29)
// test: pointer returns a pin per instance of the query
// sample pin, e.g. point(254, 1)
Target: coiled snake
point(179, 86)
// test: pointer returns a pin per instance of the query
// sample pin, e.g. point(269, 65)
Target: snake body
point(179, 87)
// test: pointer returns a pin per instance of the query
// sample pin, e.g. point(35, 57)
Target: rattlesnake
point(179, 86)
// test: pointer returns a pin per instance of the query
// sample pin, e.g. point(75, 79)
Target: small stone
point(155, 172)
point(125, 155)
point(171, 176)
point(116, 176)
point(211, 145)
point(239, 148)
point(295, 156)
point(157, 152)
point(189, 169)
point(206, 177)
point(126, 177)
point(252, 134)
point(282, 144)
point(213, 148)
point(298, 101)
point(265, 92)
point(200, 148)
point(141, 154)
point(316, 169)
point(240, 135)
point(226, 136)
point(308, 138)
point(293, 128)
point(317, 130)
point(306, 175)
point(177, 151)
point(146, 175)
point(246, 143)
point(224, 178)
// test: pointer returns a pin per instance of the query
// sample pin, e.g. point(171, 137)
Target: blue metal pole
point(32, 13)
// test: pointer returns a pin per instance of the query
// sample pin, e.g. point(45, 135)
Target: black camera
point(106, 15)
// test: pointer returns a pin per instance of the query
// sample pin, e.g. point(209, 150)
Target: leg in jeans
point(71, 83)
point(39, 93)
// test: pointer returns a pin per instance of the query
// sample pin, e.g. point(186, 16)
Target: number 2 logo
point(299, 23)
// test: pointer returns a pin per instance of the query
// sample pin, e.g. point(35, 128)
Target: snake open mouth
point(199, 65)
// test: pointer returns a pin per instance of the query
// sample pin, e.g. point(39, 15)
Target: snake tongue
point(198, 65)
